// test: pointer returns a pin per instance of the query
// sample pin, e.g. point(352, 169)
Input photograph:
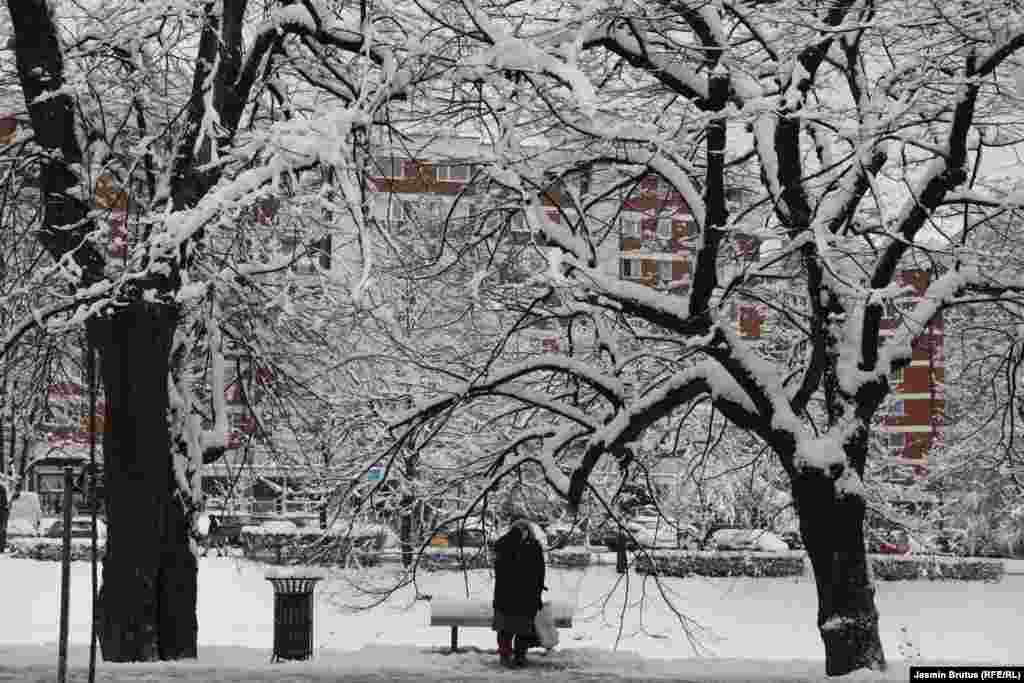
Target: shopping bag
point(544, 622)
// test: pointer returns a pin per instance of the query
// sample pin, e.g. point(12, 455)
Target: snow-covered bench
point(466, 613)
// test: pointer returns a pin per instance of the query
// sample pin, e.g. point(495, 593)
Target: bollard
point(65, 579)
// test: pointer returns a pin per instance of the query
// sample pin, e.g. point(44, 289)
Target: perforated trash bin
point(293, 616)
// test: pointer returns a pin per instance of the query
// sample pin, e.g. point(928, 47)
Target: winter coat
point(518, 580)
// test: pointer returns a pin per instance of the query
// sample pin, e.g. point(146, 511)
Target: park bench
point(468, 613)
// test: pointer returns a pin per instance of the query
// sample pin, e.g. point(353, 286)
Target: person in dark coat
point(213, 536)
point(518, 583)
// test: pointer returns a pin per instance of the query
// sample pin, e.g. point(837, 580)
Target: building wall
point(914, 420)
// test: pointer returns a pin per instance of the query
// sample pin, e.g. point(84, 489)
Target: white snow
point(820, 453)
point(761, 627)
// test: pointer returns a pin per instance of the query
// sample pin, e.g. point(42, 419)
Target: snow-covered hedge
point(435, 559)
point(311, 546)
point(702, 563)
point(913, 568)
point(49, 549)
point(570, 557)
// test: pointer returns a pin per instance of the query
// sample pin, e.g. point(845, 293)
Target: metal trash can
point(293, 616)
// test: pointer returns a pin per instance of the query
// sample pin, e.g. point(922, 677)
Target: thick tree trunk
point(833, 532)
point(147, 605)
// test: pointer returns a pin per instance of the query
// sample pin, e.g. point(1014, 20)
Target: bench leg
point(455, 638)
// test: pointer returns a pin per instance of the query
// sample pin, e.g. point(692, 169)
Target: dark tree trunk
point(405, 533)
point(409, 509)
point(147, 605)
point(4, 512)
point(833, 533)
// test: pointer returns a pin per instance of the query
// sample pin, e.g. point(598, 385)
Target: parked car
point(25, 515)
point(648, 531)
point(562, 534)
point(468, 537)
point(747, 539)
point(657, 532)
point(81, 527)
point(897, 543)
point(21, 528)
point(366, 534)
point(279, 526)
point(607, 534)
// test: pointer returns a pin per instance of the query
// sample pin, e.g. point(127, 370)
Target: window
point(630, 268)
point(394, 213)
point(457, 172)
point(387, 167)
point(747, 247)
point(289, 244)
point(50, 482)
point(664, 228)
point(242, 422)
point(630, 226)
point(897, 376)
point(664, 271)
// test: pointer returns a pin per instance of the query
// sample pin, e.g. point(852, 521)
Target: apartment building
point(914, 421)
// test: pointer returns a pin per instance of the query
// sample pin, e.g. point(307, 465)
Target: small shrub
point(935, 568)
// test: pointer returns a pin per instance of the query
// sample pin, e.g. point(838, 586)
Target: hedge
point(936, 568)
point(50, 549)
point(435, 559)
point(703, 563)
point(573, 558)
point(309, 546)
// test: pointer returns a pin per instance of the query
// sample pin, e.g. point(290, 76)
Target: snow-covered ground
point(769, 621)
point(394, 663)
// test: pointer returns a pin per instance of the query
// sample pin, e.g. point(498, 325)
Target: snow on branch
point(840, 204)
point(704, 377)
point(217, 438)
point(824, 453)
point(556, 233)
point(939, 293)
point(509, 52)
point(609, 387)
point(942, 174)
point(764, 142)
point(543, 402)
point(766, 378)
point(1007, 42)
point(185, 426)
point(679, 77)
point(668, 310)
point(500, 382)
point(681, 181)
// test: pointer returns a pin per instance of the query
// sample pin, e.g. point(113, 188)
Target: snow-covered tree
point(149, 131)
point(851, 139)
